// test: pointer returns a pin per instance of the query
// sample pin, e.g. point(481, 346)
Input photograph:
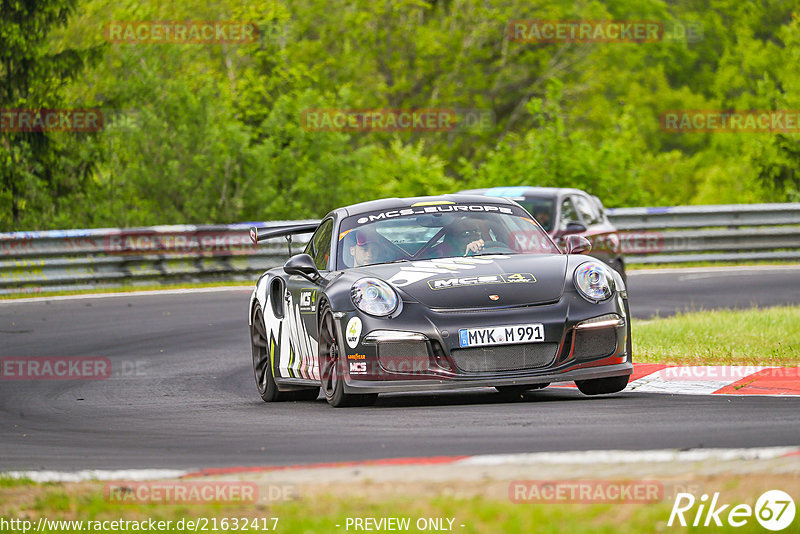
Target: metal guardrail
point(735, 232)
point(32, 262)
point(728, 215)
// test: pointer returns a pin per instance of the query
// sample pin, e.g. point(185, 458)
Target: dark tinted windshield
point(439, 231)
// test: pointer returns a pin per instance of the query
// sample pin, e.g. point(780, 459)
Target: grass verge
point(768, 336)
point(328, 512)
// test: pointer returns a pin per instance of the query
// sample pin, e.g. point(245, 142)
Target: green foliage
point(177, 157)
point(214, 132)
point(37, 167)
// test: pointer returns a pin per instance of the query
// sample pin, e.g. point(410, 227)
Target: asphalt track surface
point(181, 394)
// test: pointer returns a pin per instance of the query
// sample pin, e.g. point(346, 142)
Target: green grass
point(769, 336)
point(10, 482)
point(321, 513)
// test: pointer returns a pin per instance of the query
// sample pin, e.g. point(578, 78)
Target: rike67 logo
point(774, 510)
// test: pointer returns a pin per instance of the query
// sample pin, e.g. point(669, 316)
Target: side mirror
point(577, 244)
point(302, 264)
point(574, 228)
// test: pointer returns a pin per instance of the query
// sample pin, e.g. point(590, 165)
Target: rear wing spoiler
point(269, 232)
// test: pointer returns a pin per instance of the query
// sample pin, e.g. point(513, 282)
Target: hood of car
point(477, 282)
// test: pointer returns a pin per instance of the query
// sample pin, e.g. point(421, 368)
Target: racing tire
point(602, 386)
point(332, 367)
point(263, 370)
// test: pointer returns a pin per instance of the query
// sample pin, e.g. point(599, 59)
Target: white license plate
point(501, 335)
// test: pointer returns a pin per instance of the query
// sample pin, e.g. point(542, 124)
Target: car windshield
point(439, 231)
point(542, 209)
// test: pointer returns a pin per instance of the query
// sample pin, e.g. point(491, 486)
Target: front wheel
point(331, 367)
point(602, 386)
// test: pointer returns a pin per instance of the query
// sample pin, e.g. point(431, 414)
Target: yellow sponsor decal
point(432, 203)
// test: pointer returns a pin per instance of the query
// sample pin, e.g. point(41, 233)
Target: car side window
point(587, 210)
point(568, 214)
point(320, 245)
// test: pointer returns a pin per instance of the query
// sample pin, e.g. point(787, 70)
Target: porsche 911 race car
point(432, 293)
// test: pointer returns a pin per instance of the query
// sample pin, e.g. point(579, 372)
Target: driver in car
point(460, 238)
point(543, 217)
point(366, 249)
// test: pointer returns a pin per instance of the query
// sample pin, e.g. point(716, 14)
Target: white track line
point(744, 269)
point(702, 380)
point(620, 456)
point(130, 294)
point(537, 458)
point(95, 474)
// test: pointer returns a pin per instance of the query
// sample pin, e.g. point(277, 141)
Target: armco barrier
point(32, 262)
point(730, 215)
point(736, 232)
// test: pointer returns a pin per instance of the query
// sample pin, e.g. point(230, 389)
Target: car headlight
point(594, 281)
point(374, 297)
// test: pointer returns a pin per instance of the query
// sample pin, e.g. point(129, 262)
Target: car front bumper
point(582, 342)
point(384, 386)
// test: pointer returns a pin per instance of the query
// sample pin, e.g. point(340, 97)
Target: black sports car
point(435, 293)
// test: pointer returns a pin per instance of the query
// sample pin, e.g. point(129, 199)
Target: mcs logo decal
point(358, 368)
point(511, 278)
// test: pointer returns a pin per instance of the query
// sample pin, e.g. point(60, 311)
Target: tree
point(35, 166)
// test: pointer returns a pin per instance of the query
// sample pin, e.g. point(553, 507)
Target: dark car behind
point(564, 211)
